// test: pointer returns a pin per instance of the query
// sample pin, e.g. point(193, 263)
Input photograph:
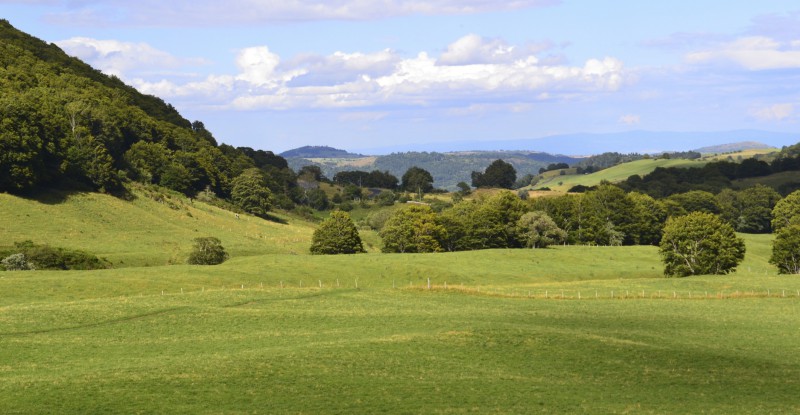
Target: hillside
point(447, 169)
point(734, 147)
point(618, 173)
point(155, 228)
point(318, 152)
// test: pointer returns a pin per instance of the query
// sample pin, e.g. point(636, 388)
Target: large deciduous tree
point(417, 180)
point(336, 235)
point(538, 230)
point(786, 212)
point(498, 174)
point(250, 193)
point(413, 229)
point(786, 250)
point(700, 243)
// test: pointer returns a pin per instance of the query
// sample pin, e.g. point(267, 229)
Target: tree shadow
point(273, 218)
point(57, 196)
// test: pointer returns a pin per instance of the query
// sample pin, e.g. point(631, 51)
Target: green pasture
point(144, 231)
point(613, 174)
point(280, 333)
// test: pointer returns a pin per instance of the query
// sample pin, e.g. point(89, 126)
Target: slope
point(618, 173)
point(155, 228)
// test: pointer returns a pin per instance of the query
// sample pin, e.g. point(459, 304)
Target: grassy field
point(612, 174)
point(152, 229)
point(273, 330)
point(283, 333)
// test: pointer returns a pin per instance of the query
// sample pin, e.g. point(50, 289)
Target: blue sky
point(358, 74)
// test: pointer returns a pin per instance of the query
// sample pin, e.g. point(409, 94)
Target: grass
point(613, 174)
point(272, 332)
point(144, 231)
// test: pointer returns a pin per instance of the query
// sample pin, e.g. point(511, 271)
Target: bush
point(207, 251)
point(700, 243)
point(16, 262)
point(52, 258)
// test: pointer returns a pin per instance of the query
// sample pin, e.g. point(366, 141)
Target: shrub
point(207, 251)
point(16, 262)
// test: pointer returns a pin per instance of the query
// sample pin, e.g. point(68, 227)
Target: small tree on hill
point(250, 192)
point(786, 250)
point(16, 262)
point(700, 243)
point(498, 174)
point(207, 251)
point(336, 235)
point(417, 180)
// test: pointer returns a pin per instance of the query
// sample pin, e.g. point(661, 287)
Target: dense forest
point(66, 125)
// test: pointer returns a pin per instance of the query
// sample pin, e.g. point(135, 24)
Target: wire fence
point(537, 293)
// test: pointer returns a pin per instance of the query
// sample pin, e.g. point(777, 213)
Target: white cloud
point(117, 58)
point(473, 49)
point(214, 12)
point(630, 119)
point(777, 112)
point(347, 80)
point(753, 53)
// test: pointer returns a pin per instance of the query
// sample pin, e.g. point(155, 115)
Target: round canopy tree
point(786, 212)
point(336, 235)
point(786, 250)
point(700, 243)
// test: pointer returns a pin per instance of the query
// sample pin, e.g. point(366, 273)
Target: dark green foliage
point(336, 235)
point(207, 251)
point(499, 174)
point(53, 258)
point(385, 198)
point(417, 180)
point(312, 173)
point(375, 178)
point(250, 192)
point(694, 201)
point(413, 228)
point(700, 243)
point(786, 250)
point(317, 199)
point(749, 210)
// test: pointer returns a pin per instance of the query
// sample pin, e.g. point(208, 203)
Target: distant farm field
point(499, 331)
point(613, 174)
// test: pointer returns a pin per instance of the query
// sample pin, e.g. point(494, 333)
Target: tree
point(537, 230)
point(317, 199)
point(250, 193)
point(786, 250)
point(207, 251)
point(336, 235)
point(786, 212)
point(417, 180)
point(498, 174)
point(700, 243)
point(413, 229)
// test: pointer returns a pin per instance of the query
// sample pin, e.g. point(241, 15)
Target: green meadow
point(569, 329)
point(614, 174)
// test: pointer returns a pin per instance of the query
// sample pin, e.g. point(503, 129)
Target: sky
point(362, 75)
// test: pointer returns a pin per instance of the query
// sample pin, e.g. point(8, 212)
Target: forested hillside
point(65, 125)
point(447, 169)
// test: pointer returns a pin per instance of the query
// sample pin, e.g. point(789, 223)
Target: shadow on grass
point(56, 196)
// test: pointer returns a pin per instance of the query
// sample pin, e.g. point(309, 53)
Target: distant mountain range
point(318, 152)
point(584, 144)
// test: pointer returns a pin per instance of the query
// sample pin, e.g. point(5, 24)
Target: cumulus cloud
point(474, 49)
point(264, 80)
point(752, 53)
point(213, 12)
point(629, 119)
point(117, 58)
point(777, 112)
